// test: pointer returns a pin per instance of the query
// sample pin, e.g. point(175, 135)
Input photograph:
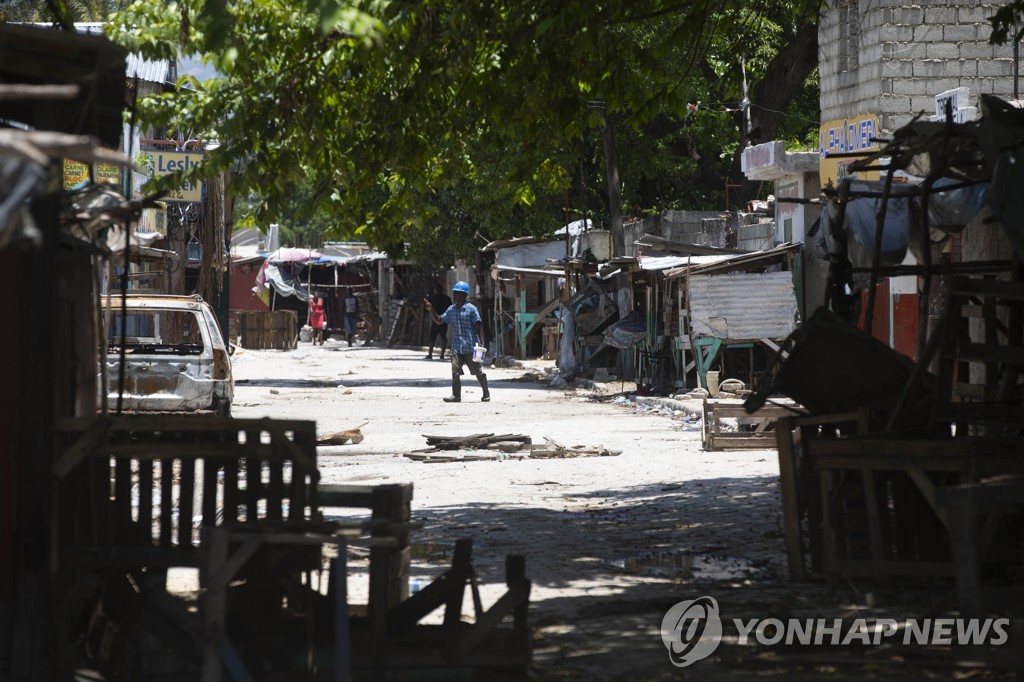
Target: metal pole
point(1016, 64)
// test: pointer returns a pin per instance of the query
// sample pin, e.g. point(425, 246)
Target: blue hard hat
point(461, 286)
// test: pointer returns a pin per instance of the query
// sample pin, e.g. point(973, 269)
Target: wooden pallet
point(881, 500)
point(761, 437)
point(162, 477)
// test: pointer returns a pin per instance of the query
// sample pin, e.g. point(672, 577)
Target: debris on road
point(505, 444)
point(353, 436)
point(479, 440)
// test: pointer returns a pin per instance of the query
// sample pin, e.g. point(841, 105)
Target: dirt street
point(611, 543)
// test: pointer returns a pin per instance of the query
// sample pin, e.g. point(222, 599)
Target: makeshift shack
point(289, 276)
point(911, 466)
point(530, 282)
point(721, 309)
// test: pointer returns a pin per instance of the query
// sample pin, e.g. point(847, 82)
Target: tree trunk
point(782, 81)
point(611, 167)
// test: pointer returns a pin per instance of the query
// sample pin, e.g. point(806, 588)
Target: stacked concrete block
point(906, 54)
point(746, 231)
point(757, 235)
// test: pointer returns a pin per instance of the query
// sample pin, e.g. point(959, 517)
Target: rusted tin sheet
point(743, 306)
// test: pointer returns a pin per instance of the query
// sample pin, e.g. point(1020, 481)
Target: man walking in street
point(440, 302)
point(467, 331)
point(350, 308)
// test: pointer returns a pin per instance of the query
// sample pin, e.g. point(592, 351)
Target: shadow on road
point(353, 381)
point(607, 565)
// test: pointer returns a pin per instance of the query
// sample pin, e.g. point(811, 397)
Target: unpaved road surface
point(611, 543)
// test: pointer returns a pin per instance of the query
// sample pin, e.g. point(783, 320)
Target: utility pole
point(611, 168)
point(745, 104)
point(622, 282)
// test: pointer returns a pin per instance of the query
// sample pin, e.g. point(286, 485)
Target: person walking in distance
point(440, 302)
point(350, 308)
point(467, 331)
point(317, 319)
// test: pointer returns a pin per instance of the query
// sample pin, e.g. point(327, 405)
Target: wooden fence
point(272, 329)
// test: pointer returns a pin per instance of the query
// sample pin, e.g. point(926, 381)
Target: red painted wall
point(905, 319)
point(242, 280)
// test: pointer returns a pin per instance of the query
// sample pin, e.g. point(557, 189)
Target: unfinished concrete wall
point(688, 226)
point(890, 58)
point(747, 231)
point(755, 232)
point(635, 229)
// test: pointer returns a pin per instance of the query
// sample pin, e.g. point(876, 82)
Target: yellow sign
point(75, 173)
point(846, 136)
point(165, 163)
point(108, 172)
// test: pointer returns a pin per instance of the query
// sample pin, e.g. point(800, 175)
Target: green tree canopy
point(412, 120)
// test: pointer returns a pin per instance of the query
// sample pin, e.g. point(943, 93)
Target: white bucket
point(712, 383)
point(478, 353)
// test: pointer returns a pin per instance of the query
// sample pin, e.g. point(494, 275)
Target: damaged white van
point(175, 358)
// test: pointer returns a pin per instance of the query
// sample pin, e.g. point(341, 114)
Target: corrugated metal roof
point(743, 306)
point(751, 260)
point(653, 241)
point(154, 71)
point(667, 262)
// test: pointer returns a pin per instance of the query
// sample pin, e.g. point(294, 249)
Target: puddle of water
point(682, 566)
point(432, 552)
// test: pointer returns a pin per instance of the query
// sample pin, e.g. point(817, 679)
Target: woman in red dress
point(316, 319)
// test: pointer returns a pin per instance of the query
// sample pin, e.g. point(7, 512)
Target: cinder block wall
point(891, 57)
point(756, 233)
point(747, 231)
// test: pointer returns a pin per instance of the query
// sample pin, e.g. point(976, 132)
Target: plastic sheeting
point(284, 283)
point(628, 331)
point(567, 362)
point(289, 255)
point(949, 211)
point(529, 254)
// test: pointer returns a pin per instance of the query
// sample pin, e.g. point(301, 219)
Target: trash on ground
point(508, 446)
point(353, 436)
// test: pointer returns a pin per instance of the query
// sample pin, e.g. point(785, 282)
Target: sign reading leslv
point(165, 163)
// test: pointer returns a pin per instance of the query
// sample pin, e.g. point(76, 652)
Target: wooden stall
point(266, 330)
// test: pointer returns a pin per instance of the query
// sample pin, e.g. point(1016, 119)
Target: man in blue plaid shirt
point(463, 319)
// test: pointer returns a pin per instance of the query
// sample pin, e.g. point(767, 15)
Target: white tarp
point(528, 255)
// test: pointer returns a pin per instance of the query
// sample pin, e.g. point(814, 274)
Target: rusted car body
point(175, 358)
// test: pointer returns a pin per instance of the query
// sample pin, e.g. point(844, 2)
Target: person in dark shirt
point(440, 302)
point(350, 310)
point(467, 332)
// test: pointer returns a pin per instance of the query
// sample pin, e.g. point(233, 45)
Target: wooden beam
point(790, 506)
point(486, 625)
point(81, 449)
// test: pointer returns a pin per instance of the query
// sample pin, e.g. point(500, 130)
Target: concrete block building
point(882, 62)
